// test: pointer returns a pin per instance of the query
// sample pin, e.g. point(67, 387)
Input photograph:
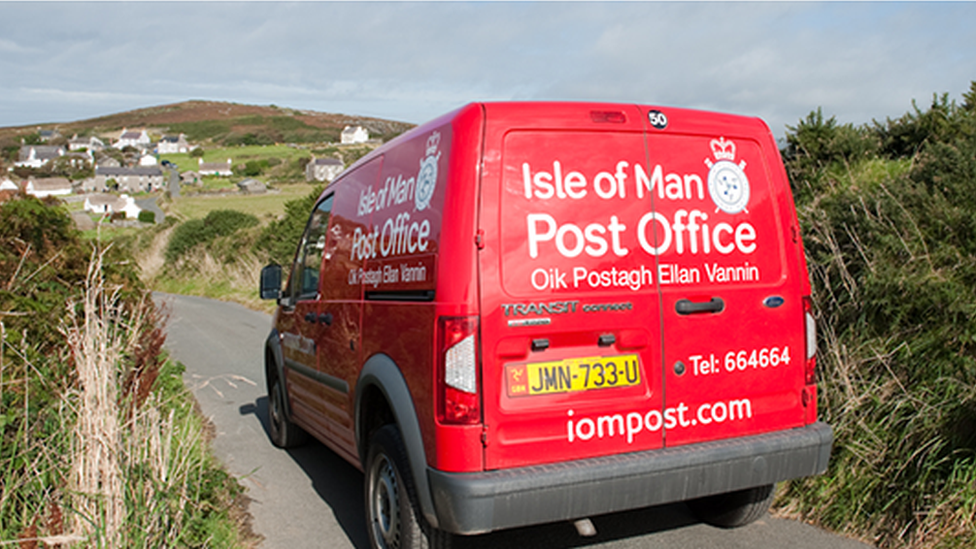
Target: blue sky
point(61, 62)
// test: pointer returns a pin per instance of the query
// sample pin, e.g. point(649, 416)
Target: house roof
point(102, 199)
point(131, 135)
point(41, 152)
point(328, 161)
point(84, 140)
point(172, 138)
point(111, 171)
point(50, 184)
point(252, 185)
point(214, 166)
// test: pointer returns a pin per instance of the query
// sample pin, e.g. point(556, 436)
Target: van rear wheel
point(393, 517)
point(734, 509)
point(284, 433)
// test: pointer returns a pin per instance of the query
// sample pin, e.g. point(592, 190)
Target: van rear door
point(571, 334)
point(731, 278)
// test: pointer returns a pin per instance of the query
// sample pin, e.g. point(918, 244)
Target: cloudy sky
point(405, 61)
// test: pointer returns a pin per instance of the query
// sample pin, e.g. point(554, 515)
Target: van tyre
point(284, 433)
point(393, 517)
point(734, 509)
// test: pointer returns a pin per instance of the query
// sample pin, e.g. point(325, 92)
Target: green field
point(237, 155)
point(263, 206)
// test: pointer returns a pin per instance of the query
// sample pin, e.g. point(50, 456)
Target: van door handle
point(310, 317)
point(688, 307)
point(326, 318)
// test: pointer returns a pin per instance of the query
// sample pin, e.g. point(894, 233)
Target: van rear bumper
point(473, 503)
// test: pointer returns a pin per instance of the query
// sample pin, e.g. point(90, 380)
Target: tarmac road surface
point(309, 497)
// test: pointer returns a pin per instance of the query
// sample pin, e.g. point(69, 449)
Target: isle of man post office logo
point(727, 182)
point(427, 177)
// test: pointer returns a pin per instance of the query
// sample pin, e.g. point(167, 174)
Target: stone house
point(190, 178)
point(252, 186)
point(105, 161)
point(323, 169)
point(130, 180)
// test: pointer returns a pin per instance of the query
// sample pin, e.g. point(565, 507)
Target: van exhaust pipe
point(585, 528)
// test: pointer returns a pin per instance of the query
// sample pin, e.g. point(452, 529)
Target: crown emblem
point(722, 149)
point(433, 142)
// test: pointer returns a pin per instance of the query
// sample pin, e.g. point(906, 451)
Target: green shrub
point(279, 239)
point(890, 236)
point(253, 168)
point(201, 231)
point(147, 216)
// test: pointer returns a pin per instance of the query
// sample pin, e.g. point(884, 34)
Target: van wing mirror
point(271, 282)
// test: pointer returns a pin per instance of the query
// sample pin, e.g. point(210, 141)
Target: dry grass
point(96, 475)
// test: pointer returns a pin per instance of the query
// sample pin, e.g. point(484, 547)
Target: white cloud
point(412, 61)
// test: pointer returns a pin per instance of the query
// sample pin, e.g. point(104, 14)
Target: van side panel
point(427, 182)
point(339, 312)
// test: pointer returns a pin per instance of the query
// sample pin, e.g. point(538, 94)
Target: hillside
point(219, 123)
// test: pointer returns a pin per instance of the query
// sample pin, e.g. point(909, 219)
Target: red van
point(522, 313)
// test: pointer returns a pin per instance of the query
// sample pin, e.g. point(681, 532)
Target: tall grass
point(891, 246)
point(101, 445)
point(96, 472)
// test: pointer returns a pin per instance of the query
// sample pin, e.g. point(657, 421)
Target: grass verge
point(101, 442)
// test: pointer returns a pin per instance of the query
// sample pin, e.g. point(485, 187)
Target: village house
point(148, 160)
point(323, 169)
point(7, 184)
point(189, 178)
point(130, 180)
point(48, 186)
point(77, 160)
point(47, 135)
point(36, 156)
point(354, 134)
point(105, 161)
point(133, 138)
point(108, 204)
point(170, 144)
point(215, 168)
point(90, 143)
point(252, 186)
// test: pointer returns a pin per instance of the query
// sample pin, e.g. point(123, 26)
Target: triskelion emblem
point(427, 178)
point(727, 182)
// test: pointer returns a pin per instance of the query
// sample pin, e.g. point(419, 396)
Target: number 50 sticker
point(657, 119)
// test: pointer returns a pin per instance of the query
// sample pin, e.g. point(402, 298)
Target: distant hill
point(220, 123)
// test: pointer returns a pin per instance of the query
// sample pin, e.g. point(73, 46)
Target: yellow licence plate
point(573, 374)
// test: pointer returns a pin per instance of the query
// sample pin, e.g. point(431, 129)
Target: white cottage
point(354, 134)
point(107, 204)
point(48, 186)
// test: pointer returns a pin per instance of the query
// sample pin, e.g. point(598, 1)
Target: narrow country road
point(309, 497)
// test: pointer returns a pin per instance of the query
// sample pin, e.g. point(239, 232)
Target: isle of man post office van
point(521, 313)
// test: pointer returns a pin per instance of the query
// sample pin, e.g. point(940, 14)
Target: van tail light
point(810, 364)
point(458, 401)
